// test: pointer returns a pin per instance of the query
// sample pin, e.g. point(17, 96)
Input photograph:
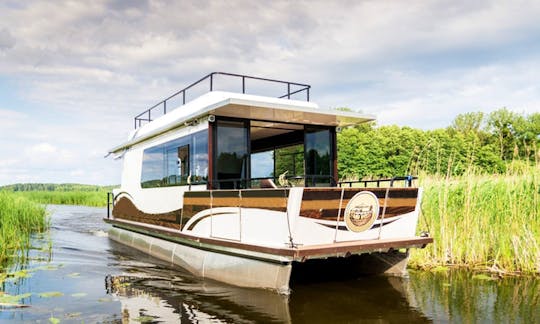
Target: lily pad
point(72, 315)
point(9, 299)
point(79, 295)
point(74, 275)
point(49, 267)
point(54, 320)
point(104, 300)
point(51, 294)
point(19, 274)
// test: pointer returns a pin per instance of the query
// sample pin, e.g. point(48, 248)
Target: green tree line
point(488, 143)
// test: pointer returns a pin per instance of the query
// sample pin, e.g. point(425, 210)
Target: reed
point(482, 221)
point(78, 197)
point(19, 219)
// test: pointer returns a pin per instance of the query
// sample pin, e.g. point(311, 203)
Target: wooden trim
point(124, 208)
point(323, 203)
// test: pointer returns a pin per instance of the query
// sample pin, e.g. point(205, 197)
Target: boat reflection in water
point(154, 295)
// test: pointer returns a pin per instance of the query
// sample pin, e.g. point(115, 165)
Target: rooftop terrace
point(220, 81)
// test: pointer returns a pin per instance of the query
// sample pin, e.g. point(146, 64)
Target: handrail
point(138, 120)
point(408, 181)
point(241, 183)
point(110, 203)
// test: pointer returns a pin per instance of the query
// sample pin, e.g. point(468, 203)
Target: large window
point(318, 155)
point(179, 162)
point(231, 154)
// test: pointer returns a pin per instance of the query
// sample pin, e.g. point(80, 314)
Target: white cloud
point(84, 69)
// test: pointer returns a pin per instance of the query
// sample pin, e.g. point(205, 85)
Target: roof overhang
point(226, 104)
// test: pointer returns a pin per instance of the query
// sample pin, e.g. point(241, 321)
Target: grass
point(19, 219)
point(62, 194)
point(490, 222)
point(86, 198)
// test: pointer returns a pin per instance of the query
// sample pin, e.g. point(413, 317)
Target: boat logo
point(361, 211)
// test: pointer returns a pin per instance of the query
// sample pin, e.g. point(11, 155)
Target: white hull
point(239, 271)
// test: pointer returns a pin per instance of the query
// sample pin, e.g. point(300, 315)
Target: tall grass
point(19, 218)
point(482, 221)
point(86, 198)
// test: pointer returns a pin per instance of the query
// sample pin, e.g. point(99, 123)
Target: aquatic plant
point(79, 197)
point(19, 219)
point(490, 222)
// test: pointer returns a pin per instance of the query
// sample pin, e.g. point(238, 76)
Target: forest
point(482, 143)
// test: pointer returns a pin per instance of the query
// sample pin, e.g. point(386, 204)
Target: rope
point(291, 243)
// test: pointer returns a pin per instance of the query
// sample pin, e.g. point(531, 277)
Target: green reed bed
point(19, 218)
point(86, 198)
point(482, 221)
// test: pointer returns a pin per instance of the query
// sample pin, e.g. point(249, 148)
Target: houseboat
point(243, 188)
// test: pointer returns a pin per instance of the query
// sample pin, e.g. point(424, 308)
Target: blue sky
point(73, 74)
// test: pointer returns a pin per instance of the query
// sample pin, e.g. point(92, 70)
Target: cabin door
point(231, 159)
point(319, 156)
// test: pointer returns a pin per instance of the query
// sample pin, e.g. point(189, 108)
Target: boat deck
point(273, 254)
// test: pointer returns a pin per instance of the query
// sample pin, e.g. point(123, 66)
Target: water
point(76, 274)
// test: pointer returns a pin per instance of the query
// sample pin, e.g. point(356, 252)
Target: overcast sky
point(73, 74)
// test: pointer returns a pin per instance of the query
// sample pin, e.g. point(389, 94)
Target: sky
point(73, 74)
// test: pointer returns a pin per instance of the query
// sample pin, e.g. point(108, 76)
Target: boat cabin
point(226, 140)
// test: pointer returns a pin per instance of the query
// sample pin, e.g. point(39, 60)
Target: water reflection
point(461, 297)
point(102, 281)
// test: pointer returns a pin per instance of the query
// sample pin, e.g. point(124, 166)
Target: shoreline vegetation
point(19, 219)
point(487, 222)
point(61, 194)
point(482, 222)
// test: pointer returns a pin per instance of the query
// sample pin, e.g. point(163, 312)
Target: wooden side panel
point(196, 201)
point(125, 209)
point(323, 203)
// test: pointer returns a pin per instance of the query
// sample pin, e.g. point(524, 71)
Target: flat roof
point(237, 105)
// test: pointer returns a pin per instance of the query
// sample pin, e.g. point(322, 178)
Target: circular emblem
point(361, 211)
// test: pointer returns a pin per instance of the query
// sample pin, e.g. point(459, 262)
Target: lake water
point(76, 274)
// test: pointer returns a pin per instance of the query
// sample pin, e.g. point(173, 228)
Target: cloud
point(7, 41)
point(84, 69)
point(42, 148)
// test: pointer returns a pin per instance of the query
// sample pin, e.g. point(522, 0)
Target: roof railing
point(146, 116)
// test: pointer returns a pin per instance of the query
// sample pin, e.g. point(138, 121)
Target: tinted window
point(231, 154)
point(152, 168)
point(199, 158)
point(318, 157)
point(179, 162)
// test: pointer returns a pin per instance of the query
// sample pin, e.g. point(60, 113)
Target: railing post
point(243, 84)
point(308, 94)
point(288, 90)
point(211, 81)
point(184, 97)
point(164, 107)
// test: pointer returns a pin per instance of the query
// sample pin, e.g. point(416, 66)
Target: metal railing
point(110, 203)
point(146, 116)
point(408, 181)
point(246, 183)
